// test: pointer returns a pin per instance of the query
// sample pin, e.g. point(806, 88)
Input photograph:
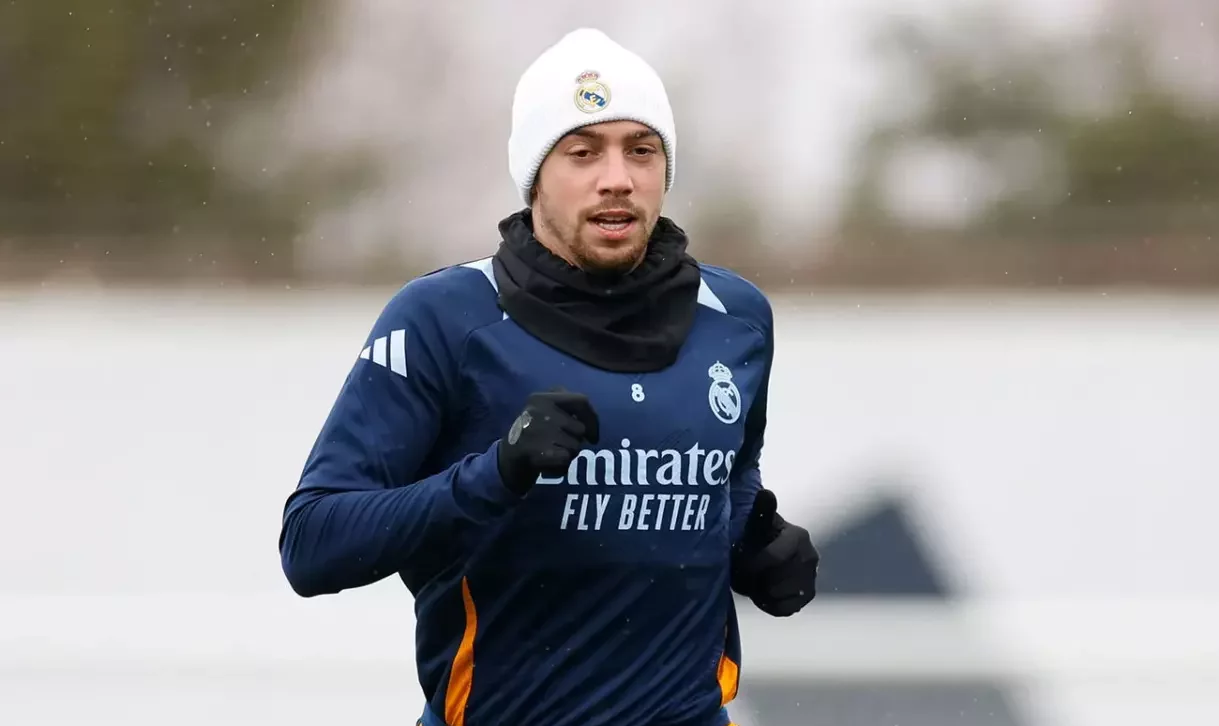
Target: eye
point(644, 151)
point(580, 153)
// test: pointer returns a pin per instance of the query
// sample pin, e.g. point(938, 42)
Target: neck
point(637, 325)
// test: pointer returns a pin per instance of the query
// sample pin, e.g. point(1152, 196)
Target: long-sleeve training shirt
point(600, 597)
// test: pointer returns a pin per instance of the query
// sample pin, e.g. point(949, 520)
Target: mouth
point(613, 223)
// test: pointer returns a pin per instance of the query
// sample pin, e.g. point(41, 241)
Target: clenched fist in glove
point(775, 563)
point(545, 437)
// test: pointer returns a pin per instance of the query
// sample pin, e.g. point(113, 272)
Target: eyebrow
point(589, 133)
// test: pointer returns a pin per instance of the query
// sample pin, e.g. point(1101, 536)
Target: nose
point(615, 179)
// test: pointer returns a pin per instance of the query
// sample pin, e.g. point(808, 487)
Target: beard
point(578, 242)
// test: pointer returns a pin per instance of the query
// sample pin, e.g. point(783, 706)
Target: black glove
point(775, 563)
point(546, 437)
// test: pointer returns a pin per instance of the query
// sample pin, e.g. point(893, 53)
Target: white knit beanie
point(586, 78)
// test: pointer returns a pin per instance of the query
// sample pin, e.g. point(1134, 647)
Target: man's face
point(599, 194)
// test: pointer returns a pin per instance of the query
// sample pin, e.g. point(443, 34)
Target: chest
point(696, 408)
point(654, 489)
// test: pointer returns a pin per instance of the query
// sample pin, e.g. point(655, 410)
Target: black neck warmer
point(632, 323)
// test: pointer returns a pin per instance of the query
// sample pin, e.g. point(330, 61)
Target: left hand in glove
point(775, 563)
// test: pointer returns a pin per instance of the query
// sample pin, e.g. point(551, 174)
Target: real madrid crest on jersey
point(591, 94)
point(723, 396)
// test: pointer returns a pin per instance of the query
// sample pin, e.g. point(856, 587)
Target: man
point(556, 448)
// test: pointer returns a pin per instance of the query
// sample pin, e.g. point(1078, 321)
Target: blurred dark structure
point(881, 554)
point(110, 111)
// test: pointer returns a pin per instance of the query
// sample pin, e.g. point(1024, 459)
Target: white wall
point(1060, 449)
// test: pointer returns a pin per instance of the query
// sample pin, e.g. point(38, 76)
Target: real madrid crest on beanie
point(586, 78)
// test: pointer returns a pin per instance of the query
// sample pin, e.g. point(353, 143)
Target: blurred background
point(988, 230)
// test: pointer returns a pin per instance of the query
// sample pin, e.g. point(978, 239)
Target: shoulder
point(726, 291)
point(451, 302)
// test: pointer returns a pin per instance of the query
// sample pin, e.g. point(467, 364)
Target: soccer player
point(556, 448)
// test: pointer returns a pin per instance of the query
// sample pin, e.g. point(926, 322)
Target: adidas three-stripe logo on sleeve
point(396, 343)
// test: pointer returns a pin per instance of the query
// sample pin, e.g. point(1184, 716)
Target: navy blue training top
point(601, 597)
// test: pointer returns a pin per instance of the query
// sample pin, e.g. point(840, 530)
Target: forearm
point(745, 486)
point(335, 540)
